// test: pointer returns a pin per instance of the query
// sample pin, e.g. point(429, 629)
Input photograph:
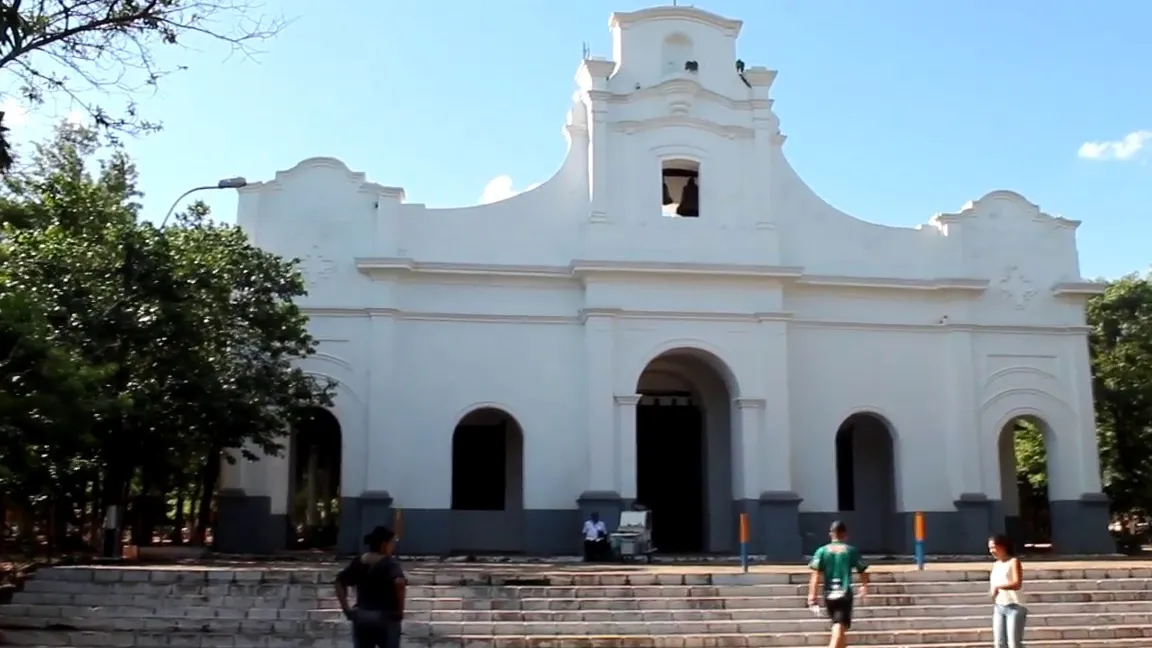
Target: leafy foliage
point(133, 356)
point(1031, 458)
point(84, 50)
point(1121, 354)
point(1121, 345)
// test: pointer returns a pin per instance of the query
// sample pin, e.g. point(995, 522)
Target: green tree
point(89, 52)
point(193, 330)
point(47, 397)
point(1121, 345)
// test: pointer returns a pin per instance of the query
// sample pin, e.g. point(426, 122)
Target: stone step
point(482, 608)
point(141, 604)
point(750, 614)
point(415, 612)
point(603, 577)
point(326, 627)
point(307, 591)
point(1055, 637)
point(589, 608)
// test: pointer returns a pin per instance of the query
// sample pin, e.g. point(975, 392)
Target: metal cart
point(633, 536)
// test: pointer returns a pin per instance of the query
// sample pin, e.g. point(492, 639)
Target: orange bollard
point(745, 536)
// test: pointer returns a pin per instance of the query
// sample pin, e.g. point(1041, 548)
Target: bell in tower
point(689, 199)
point(680, 189)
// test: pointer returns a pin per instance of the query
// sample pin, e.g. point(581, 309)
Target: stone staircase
point(502, 606)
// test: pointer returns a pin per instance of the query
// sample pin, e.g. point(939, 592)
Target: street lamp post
point(112, 542)
point(227, 183)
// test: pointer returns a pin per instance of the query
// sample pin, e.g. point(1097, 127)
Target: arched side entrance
point(314, 457)
point(487, 483)
point(866, 483)
point(684, 452)
point(1025, 468)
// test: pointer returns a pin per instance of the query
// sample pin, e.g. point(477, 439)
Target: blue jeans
point(372, 629)
point(1008, 626)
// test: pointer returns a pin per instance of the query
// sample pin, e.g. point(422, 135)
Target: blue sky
point(894, 109)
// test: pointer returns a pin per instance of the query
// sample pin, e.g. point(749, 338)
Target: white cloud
point(1124, 148)
point(501, 188)
point(17, 116)
point(14, 113)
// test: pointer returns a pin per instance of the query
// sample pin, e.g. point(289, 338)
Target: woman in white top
point(1006, 589)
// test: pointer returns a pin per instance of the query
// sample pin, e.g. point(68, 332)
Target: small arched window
point(677, 52)
point(680, 188)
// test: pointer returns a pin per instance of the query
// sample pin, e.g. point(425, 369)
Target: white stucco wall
point(550, 304)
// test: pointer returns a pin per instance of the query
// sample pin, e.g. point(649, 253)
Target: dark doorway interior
point(479, 467)
point(670, 471)
point(866, 483)
point(315, 488)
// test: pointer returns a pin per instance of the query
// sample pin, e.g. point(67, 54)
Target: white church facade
point(675, 318)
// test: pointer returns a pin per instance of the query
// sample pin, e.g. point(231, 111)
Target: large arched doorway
point(1024, 473)
point(487, 483)
point(315, 450)
point(684, 452)
point(866, 483)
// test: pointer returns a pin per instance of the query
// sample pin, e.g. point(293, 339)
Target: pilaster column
point(278, 477)
point(746, 448)
point(255, 472)
point(962, 436)
point(231, 474)
point(775, 448)
point(626, 445)
point(1079, 377)
point(967, 447)
point(598, 350)
point(379, 463)
point(598, 156)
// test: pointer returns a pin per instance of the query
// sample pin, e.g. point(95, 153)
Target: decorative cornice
point(408, 265)
point(1079, 288)
point(750, 403)
point(746, 318)
point(686, 121)
point(594, 73)
point(760, 76)
point(685, 84)
point(895, 283)
point(714, 316)
point(624, 19)
point(629, 400)
point(584, 269)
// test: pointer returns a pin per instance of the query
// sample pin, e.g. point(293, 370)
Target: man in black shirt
point(380, 590)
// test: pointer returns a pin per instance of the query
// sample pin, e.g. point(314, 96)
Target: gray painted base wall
point(779, 530)
point(245, 524)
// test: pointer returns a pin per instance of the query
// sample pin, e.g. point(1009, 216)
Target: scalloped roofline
point(326, 162)
point(623, 19)
point(1030, 208)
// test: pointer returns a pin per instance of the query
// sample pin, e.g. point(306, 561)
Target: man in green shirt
point(833, 564)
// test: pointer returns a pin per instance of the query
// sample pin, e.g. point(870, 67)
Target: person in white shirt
point(595, 539)
point(1006, 587)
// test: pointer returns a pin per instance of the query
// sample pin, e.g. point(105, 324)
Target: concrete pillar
point(626, 445)
point(747, 456)
point(599, 350)
point(311, 485)
point(961, 420)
